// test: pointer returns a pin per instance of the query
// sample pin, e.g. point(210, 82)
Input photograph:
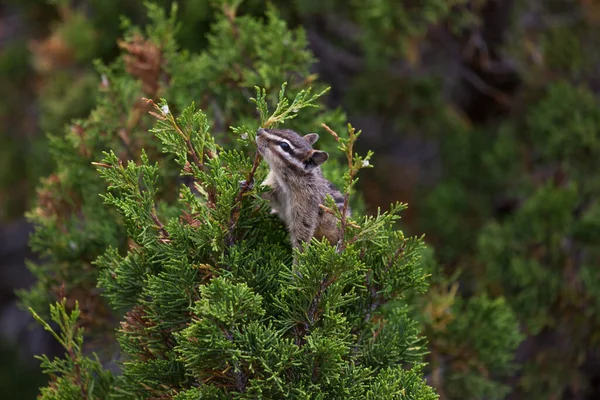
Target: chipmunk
point(298, 185)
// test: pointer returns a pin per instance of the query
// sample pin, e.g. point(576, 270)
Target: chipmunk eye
point(286, 147)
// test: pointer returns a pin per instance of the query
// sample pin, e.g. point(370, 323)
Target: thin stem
point(348, 148)
point(198, 160)
point(237, 203)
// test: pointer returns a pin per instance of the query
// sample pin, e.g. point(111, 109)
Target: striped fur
point(297, 184)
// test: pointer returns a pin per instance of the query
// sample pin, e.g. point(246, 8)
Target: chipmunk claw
point(244, 183)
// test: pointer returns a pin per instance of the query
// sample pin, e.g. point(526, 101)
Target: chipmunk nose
point(260, 131)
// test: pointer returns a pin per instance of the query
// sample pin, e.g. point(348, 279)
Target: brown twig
point(99, 164)
point(237, 203)
point(240, 378)
point(304, 329)
point(78, 377)
point(160, 225)
point(332, 132)
point(344, 219)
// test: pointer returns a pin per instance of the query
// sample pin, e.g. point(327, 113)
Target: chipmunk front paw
point(244, 183)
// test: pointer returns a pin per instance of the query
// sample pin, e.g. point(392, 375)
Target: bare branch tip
point(98, 164)
point(331, 131)
point(157, 116)
point(326, 209)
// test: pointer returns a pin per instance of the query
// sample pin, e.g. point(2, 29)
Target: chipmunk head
point(284, 149)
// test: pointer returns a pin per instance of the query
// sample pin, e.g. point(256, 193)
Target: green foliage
point(396, 383)
point(566, 123)
point(76, 100)
point(284, 110)
point(321, 332)
point(516, 210)
point(158, 204)
point(384, 29)
point(539, 254)
point(482, 351)
point(76, 376)
point(47, 78)
point(465, 360)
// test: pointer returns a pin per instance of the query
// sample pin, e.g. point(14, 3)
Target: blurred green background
point(483, 116)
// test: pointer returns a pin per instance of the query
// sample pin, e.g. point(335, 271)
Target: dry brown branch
point(143, 61)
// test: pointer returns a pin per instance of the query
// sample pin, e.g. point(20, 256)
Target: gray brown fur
point(298, 185)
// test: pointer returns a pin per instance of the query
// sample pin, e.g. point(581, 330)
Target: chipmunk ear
point(316, 158)
point(311, 138)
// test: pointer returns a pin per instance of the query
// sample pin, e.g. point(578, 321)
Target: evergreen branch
point(168, 116)
point(71, 339)
point(239, 377)
point(312, 310)
point(301, 331)
point(284, 110)
point(239, 335)
point(78, 376)
point(314, 306)
point(118, 176)
point(246, 186)
point(159, 224)
point(355, 164)
point(376, 298)
point(230, 12)
point(164, 114)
